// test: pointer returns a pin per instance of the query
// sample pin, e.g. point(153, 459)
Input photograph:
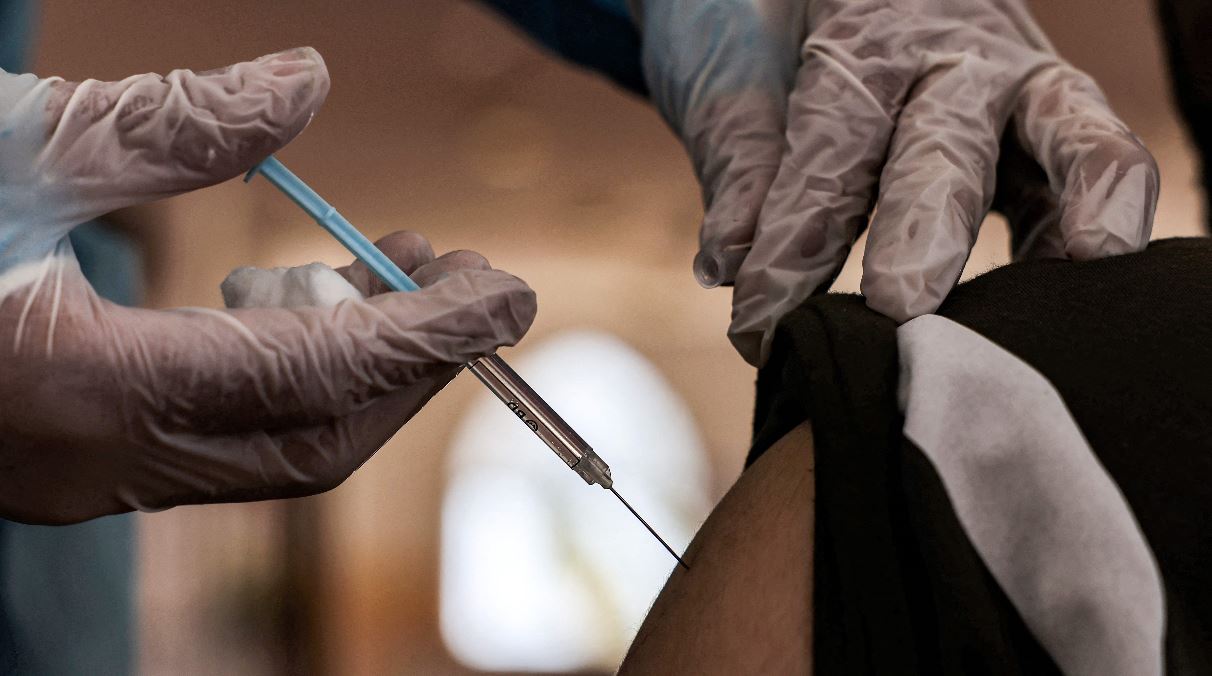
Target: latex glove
point(105, 409)
point(802, 117)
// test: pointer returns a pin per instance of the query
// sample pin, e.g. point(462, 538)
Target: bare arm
point(745, 605)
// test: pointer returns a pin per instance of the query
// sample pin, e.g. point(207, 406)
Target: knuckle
point(1124, 149)
point(1146, 159)
point(319, 484)
point(320, 464)
point(464, 258)
point(402, 240)
point(1120, 156)
point(513, 309)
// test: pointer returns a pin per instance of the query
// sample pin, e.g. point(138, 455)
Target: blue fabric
point(109, 261)
point(68, 595)
point(598, 34)
point(17, 19)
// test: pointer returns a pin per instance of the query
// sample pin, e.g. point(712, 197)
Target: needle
point(650, 530)
point(507, 385)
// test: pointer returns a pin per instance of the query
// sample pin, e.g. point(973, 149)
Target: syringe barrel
point(547, 425)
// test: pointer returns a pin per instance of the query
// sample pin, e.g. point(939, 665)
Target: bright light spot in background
point(540, 571)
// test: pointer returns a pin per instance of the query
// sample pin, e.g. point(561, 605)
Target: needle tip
point(650, 529)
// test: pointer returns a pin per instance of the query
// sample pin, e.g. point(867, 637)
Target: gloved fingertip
point(465, 314)
point(753, 346)
point(292, 54)
point(715, 266)
point(298, 75)
point(518, 306)
point(449, 263)
point(901, 297)
point(1115, 221)
point(310, 61)
point(297, 60)
point(1091, 245)
point(901, 310)
point(188, 130)
point(406, 248)
point(303, 75)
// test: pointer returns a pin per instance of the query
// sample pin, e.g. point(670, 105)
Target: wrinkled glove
point(106, 409)
point(795, 112)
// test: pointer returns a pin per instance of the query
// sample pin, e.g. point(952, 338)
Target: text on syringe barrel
point(533, 412)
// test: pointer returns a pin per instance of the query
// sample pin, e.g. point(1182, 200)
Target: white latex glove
point(106, 409)
point(796, 112)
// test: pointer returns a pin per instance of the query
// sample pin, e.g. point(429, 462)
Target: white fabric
point(315, 284)
point(1043, 514)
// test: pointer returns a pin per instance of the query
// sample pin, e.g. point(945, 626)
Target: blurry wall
point(444, 121)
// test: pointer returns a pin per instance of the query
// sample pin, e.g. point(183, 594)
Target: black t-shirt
point(899, 589)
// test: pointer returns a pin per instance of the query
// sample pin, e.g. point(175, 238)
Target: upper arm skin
point(745, 605)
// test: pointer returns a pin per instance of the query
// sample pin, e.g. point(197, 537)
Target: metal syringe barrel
point(547, 425)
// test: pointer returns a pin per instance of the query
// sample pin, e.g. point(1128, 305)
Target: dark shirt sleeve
point(597, 34)
point(1185, 24)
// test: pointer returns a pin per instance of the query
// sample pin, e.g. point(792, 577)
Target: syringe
point(496, 375)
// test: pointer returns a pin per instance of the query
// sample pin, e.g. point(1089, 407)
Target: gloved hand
point(105, 409)
point(795, 111)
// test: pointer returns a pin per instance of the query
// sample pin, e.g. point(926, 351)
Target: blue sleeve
point(597, 34)
point(17, 18)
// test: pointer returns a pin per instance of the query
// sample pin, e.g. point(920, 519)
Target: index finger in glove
point(150, 136)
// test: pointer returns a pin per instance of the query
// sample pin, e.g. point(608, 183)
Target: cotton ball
point(314, 284)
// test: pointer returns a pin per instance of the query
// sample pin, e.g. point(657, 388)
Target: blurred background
point(463, 547)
